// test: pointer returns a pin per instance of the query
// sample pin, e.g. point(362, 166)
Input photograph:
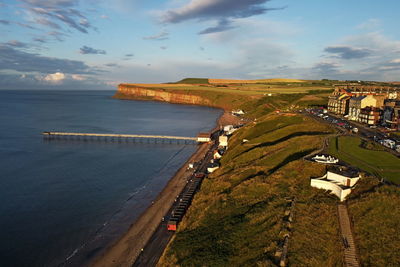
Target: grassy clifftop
point(238, 217)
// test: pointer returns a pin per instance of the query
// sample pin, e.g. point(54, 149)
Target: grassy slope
point(194, 81)
point(375, 212)
point(237, 217)
point(379, 163)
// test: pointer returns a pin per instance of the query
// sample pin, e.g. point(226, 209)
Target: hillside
point(240, 215)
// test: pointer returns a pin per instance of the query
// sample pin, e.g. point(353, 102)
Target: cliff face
point(126, 91)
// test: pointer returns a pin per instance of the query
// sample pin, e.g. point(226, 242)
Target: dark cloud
point(111, 65)
point(223, 25)
point(128, 56)
point(52, 12)
point(89, 50)
point(59, 36)
point(14, 59)
point(51, 3)
point(16, 44)
point(348, 52)
point(216, 9)
point(163, 47)
point(326, 68)
point(40, 40)
point(4, 22)
point(392, 65)
point(24, 25)
point(159, 37)
point(46, 22)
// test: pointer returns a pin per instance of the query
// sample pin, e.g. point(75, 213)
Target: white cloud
point(57, 77)
point(78, 77)
point(369, 25)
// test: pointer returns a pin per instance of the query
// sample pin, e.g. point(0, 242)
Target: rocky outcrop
point(129, 91)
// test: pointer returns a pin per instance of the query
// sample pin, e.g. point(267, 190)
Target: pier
point(120, 137)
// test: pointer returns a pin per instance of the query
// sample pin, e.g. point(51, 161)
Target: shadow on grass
point(285, 138)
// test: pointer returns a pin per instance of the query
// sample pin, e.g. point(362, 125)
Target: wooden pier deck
point(117, 136)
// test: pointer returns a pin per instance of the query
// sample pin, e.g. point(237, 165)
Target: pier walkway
point(59, 135)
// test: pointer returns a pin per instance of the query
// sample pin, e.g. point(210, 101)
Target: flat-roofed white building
point(223, 140)
point(204, 137)
point(339, 182)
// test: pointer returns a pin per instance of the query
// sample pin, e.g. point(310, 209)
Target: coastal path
point(350, 252)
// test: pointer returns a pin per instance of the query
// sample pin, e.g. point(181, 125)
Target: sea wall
point(129, 91)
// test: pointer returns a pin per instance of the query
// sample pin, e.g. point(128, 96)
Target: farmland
point(245, 87)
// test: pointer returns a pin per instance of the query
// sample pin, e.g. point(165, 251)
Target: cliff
point(130, 91)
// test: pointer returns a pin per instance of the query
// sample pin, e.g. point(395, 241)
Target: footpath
point(350, 251)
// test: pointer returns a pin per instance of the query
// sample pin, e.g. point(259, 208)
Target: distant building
point(237, 112)
point(204, 137)
point(338, 102)
point(391, 115)
point(389, 91)
point(229, 129)
point(359, 102)
point(340, 182)
point(370, 115)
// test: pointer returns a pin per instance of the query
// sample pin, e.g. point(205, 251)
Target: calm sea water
point(67, 199)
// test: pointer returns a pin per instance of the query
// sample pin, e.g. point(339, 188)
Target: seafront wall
point(129, 91)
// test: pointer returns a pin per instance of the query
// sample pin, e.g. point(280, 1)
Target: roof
point(204, 135)
point(348, 172)
point(358, 98)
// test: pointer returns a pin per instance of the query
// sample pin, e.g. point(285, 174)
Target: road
point(158, 242)
point(344, 127)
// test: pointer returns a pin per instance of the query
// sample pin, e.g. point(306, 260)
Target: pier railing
point(99, 136)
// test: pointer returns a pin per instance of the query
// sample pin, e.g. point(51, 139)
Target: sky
point(97, 44)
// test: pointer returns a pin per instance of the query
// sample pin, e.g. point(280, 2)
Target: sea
point(63, 201)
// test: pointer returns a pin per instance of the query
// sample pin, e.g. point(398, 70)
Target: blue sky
point(96, 44)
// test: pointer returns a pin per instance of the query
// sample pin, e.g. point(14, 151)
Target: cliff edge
point(132, 91)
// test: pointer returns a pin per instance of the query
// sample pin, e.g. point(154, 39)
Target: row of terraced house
point(372, 105)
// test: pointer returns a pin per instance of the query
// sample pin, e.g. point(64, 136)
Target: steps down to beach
point(350, 252)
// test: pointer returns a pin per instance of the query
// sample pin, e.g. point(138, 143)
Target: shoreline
point(128, 247)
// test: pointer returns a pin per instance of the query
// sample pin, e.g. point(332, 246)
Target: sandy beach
point(126, 250)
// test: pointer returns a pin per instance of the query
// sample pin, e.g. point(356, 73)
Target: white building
point(223, 141)
point(227, 128)
point(204, 137)
point(212, 167)
point(339, 183)
point(237, 112)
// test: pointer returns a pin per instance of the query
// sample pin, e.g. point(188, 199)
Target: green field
point(380, 163)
